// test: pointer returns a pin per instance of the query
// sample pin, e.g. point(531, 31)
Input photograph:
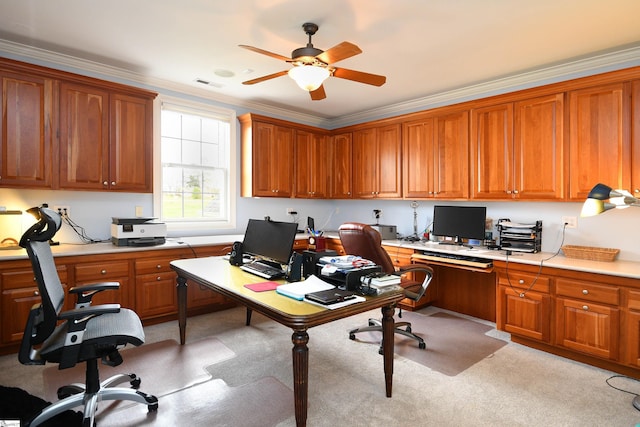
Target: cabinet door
point(632, 335)
point(539, 160)
point(492, 152)
point(272, 150)
point(156, 294)
point(340, 167)
point(311, 165)
point(527, 315)
point(451, 156)
point(389, 177)
point(365, 161)
point(587, 327)
point(84, 137)
point(635, 140)
point(418, 159)
point(599, 138)
point(131, 140)
point(26, 136)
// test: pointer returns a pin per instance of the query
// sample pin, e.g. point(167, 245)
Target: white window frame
point(204, 226)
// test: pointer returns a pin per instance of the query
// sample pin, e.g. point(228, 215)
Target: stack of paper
point(384, 281)
point(297, 290)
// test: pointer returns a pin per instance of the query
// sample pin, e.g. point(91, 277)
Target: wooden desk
point(217, 274)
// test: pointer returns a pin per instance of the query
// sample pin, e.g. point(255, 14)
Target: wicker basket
point(590, 253)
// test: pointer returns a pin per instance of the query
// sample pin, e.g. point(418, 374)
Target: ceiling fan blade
point(359, 76)
point(339, 52)
point(266, 52)
point(263, 78)
point(318, 94)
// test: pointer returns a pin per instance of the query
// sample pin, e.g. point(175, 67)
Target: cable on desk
point(533, 282)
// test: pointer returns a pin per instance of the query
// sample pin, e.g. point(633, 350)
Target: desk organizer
point(520, 237)
point(590, 253)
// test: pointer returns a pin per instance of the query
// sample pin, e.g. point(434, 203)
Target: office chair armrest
point(85, 293)
point(420, 287)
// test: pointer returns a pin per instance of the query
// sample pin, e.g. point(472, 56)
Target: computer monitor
point(270, 240)
point(459, 222)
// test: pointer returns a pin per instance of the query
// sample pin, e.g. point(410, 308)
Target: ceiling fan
point(311, 66)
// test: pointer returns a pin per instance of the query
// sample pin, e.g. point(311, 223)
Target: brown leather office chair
point(366, 242)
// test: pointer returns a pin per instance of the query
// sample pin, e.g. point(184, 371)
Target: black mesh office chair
point(85, 334)
point(365, 241)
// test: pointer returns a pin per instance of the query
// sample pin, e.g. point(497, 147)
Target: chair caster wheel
point(422, 345)
point(352, 337)
point(135, 384)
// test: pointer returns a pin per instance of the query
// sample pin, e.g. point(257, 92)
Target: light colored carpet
point(164, 366)
point(453, 343)
point(265, 402)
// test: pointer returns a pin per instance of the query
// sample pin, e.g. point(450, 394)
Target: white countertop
point(620, 268)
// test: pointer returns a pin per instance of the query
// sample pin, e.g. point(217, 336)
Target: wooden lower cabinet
point(147, 286)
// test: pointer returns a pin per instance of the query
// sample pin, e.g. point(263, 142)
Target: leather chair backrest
point(366, 242)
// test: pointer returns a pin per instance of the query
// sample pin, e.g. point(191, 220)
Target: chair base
point(375, 325)
point(74, 395)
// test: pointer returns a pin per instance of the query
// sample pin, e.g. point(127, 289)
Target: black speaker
point(294, 272)
point(235, 258)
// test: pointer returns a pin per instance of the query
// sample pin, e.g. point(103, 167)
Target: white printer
point(137, 232)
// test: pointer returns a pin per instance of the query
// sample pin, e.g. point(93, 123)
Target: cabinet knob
point(36, 293)
point(113, 183)
point(521, 281)
point(508, 191)
point(158, 278)
point(585, 307)
point(585, 292)
point(105, 183)
point(637, 190)
point(103, 271)
point(515, 191)
point(158, 266)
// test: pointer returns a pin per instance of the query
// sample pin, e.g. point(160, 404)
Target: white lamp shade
point(309, 77)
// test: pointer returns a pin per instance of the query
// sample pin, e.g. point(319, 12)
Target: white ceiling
point(423, 47)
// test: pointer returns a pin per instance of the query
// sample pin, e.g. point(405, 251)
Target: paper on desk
point(515, 224)
point(298, 290)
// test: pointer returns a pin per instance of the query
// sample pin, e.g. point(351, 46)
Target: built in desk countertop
point(621, 268)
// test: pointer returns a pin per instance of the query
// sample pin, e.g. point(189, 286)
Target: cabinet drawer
point(523, 281)
point(156, 265)
point(25, 278)
point(101, 271)
point(633, 300)
point(588, 291)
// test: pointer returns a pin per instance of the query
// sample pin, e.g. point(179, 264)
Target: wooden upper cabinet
point(539, 149)
point(377, 162)
point(131, 143)
point(635, 139)
point(518, 150)
point(311, 165)
point(105, 139)
point(435, 153)
point(267, 158)
point(492, 152)
point(599, 143)
point(340, 153)
point(26, 134)
point(84, 136)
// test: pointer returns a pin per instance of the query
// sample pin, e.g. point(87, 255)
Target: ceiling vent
point(208, 83)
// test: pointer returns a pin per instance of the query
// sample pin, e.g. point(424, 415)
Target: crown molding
point(580, 67)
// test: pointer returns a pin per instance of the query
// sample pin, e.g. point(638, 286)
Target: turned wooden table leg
point(181, 288)
point(300, 375)
point(388, 325)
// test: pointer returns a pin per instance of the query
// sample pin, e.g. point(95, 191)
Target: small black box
point(310, 261)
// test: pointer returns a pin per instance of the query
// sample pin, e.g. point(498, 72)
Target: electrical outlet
point(570, 221)
point(139, 211)
point(291, 211)
point(64, 210)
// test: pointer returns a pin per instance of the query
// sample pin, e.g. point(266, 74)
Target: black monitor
point(270, 240)
point(459, 222)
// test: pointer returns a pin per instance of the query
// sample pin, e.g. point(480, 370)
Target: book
point(297, 290)
point(355, 300)
point(388, 280)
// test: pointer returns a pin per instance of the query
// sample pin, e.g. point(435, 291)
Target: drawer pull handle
point(103, 271)
point(585, 292)
point(585, 307)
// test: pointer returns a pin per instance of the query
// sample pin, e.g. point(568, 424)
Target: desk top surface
point(218, 274)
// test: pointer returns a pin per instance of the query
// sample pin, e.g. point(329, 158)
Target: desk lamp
point(596, 204)
point(602, 198)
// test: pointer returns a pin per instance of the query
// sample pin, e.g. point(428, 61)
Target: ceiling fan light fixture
point(309, 77)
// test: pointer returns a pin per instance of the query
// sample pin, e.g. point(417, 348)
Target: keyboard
point(471, 261)
point(263, 270)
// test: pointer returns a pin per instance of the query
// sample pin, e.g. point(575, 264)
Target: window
point(196, 186)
